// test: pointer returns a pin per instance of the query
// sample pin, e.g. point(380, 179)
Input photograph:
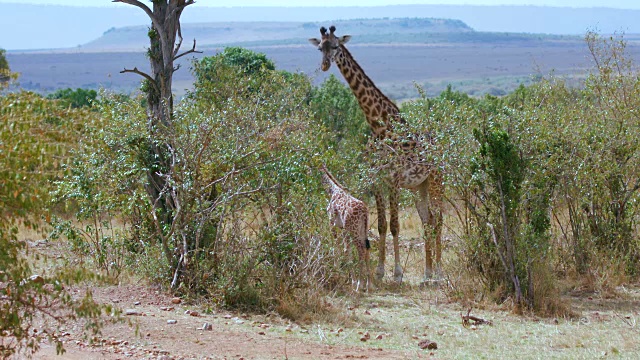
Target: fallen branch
point(466, 320)
point(627, 320)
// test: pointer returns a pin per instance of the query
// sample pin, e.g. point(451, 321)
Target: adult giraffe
point(407, 169)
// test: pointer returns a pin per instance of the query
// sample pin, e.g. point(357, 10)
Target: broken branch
point(143, 74)
point(476, 320)
point(192, 50)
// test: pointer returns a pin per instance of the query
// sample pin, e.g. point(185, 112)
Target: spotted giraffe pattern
point(352, 215)
point(408, 171)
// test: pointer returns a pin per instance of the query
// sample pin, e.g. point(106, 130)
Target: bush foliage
point(74, 98)
point(36, 138)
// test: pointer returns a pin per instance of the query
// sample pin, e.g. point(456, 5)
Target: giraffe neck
point(378, 109)
point(333, 186)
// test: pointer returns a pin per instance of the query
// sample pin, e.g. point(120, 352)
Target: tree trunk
point(162, 53)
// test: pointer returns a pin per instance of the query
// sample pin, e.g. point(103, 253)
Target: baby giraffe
point(352, 215)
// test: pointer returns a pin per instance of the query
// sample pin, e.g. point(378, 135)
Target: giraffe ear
point(314, 41)
point(345, 39)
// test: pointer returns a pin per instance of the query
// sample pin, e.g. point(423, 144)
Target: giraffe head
point(329, 44)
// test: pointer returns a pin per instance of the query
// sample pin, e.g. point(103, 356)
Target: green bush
point(247, 222)
point(35, 305)
point(74, 98)
point(552, 168)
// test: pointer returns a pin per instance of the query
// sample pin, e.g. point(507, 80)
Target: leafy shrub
point(5, 71)
point(246, 224)
point(34, 306)
point(74, 98)
point(103, 185)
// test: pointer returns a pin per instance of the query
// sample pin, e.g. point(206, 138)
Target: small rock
point(136, 303)
point(36, 279)
point(428, 344)
point(261, 333)
point(379, 337)
point(194, 313)
point(171, 322)
point(176, 300)
point(207, 327)
point(132, 312)
point(365, 337)
point(367, 312)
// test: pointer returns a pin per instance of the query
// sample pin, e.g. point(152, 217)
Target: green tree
point(607, 125)
point(498, 170)
point(500, 188)
point(250, 62)
point(74, 98)
point(227, 66)
point(5, 72)
point(334, 104)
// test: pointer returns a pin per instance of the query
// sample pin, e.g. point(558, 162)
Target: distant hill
point(24, 26)
point(216, 34)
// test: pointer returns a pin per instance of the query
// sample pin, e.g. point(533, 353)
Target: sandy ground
point(232, 336)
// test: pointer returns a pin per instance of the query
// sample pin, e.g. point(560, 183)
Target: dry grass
point(398, 318)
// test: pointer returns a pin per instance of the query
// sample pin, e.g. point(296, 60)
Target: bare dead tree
point(165, 37)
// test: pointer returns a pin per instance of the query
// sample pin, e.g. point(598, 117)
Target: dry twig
point(466, 320)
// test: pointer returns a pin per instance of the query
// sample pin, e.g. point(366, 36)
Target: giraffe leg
point(367, 262)
point(422, 204)
point(435, 194)
point(382, 232)
point(334, 236)
point(394, 224)
point(436, 218)
point(362, 276)
point(364, 251)
point(345, 245)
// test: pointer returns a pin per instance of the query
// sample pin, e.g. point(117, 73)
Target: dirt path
point(232, 336)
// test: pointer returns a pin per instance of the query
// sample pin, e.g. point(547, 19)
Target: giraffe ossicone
point(422, 177)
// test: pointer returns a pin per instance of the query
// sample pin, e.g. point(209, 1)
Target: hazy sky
point(624, 4)
point(41, 30)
